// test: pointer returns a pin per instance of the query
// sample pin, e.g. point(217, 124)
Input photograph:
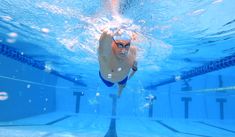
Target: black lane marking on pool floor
point(58, 120)
point(210, 125)
point(49, 123)
point(177, 131)
point(168, 127)
point(112, 129)
point(22, 125)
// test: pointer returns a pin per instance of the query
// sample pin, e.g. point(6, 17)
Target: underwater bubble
point(69, 43)
point(142, 21)
point(93, 101)
point(217, 1)
point(45, 30)
point(3, 96)
point(97, 94)
point(28, 86)
point(146, 105)
point(197, 12)
point(177, 78)
point(12, 34)
point(6, 18)
point(10, 40)
point(47, 68)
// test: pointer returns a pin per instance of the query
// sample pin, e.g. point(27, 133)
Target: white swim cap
point(123, 36)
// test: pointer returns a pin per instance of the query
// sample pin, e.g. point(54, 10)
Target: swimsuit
point(110, 84)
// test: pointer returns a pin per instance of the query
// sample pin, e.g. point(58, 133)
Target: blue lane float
point(19, 56)
point(209, 67)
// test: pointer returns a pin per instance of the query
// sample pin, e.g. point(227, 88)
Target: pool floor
point(79, 125)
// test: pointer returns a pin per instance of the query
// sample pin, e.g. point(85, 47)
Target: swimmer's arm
point(133, 70)
point(134, 67)
point(105, 44)
point(132, 74)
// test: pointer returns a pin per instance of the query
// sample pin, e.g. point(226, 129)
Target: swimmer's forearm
point(105, 44)
point(132, 74)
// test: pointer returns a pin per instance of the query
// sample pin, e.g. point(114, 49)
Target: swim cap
point(123, 36)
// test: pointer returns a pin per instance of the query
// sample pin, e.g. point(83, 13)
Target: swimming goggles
point(121, 45)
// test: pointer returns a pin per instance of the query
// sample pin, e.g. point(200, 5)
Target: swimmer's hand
point(107, 31)
point(105, 41)
point(112, 31)
point(106, 36)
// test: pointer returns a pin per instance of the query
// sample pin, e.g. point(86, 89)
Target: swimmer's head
point(121, 44)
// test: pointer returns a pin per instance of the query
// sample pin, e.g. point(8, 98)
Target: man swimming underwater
point(116, 58)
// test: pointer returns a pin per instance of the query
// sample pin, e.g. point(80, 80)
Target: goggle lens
point(120, 45)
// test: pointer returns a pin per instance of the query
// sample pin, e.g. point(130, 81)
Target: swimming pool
point(49, 74)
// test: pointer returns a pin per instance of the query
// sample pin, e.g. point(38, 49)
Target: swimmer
point(117, 58)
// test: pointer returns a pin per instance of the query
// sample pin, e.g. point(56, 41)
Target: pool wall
point(206, 97)
point(24, 98)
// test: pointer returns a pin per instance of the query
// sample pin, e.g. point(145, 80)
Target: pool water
point(49, 69)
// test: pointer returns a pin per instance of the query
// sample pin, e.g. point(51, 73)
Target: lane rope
point(35, 83)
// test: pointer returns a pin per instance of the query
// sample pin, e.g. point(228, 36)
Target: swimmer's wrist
point(134, 69)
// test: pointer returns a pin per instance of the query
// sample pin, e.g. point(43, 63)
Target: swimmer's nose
point(124, 52)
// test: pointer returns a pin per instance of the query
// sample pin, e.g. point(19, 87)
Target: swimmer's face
point(121, 48)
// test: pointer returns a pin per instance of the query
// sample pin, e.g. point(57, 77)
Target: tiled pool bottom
point(70, 125)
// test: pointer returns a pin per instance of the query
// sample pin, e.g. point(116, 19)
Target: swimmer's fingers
point(113, 32)
point(107, 31)
point(116, 31)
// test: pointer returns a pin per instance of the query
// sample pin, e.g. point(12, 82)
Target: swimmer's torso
point(115, 70)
